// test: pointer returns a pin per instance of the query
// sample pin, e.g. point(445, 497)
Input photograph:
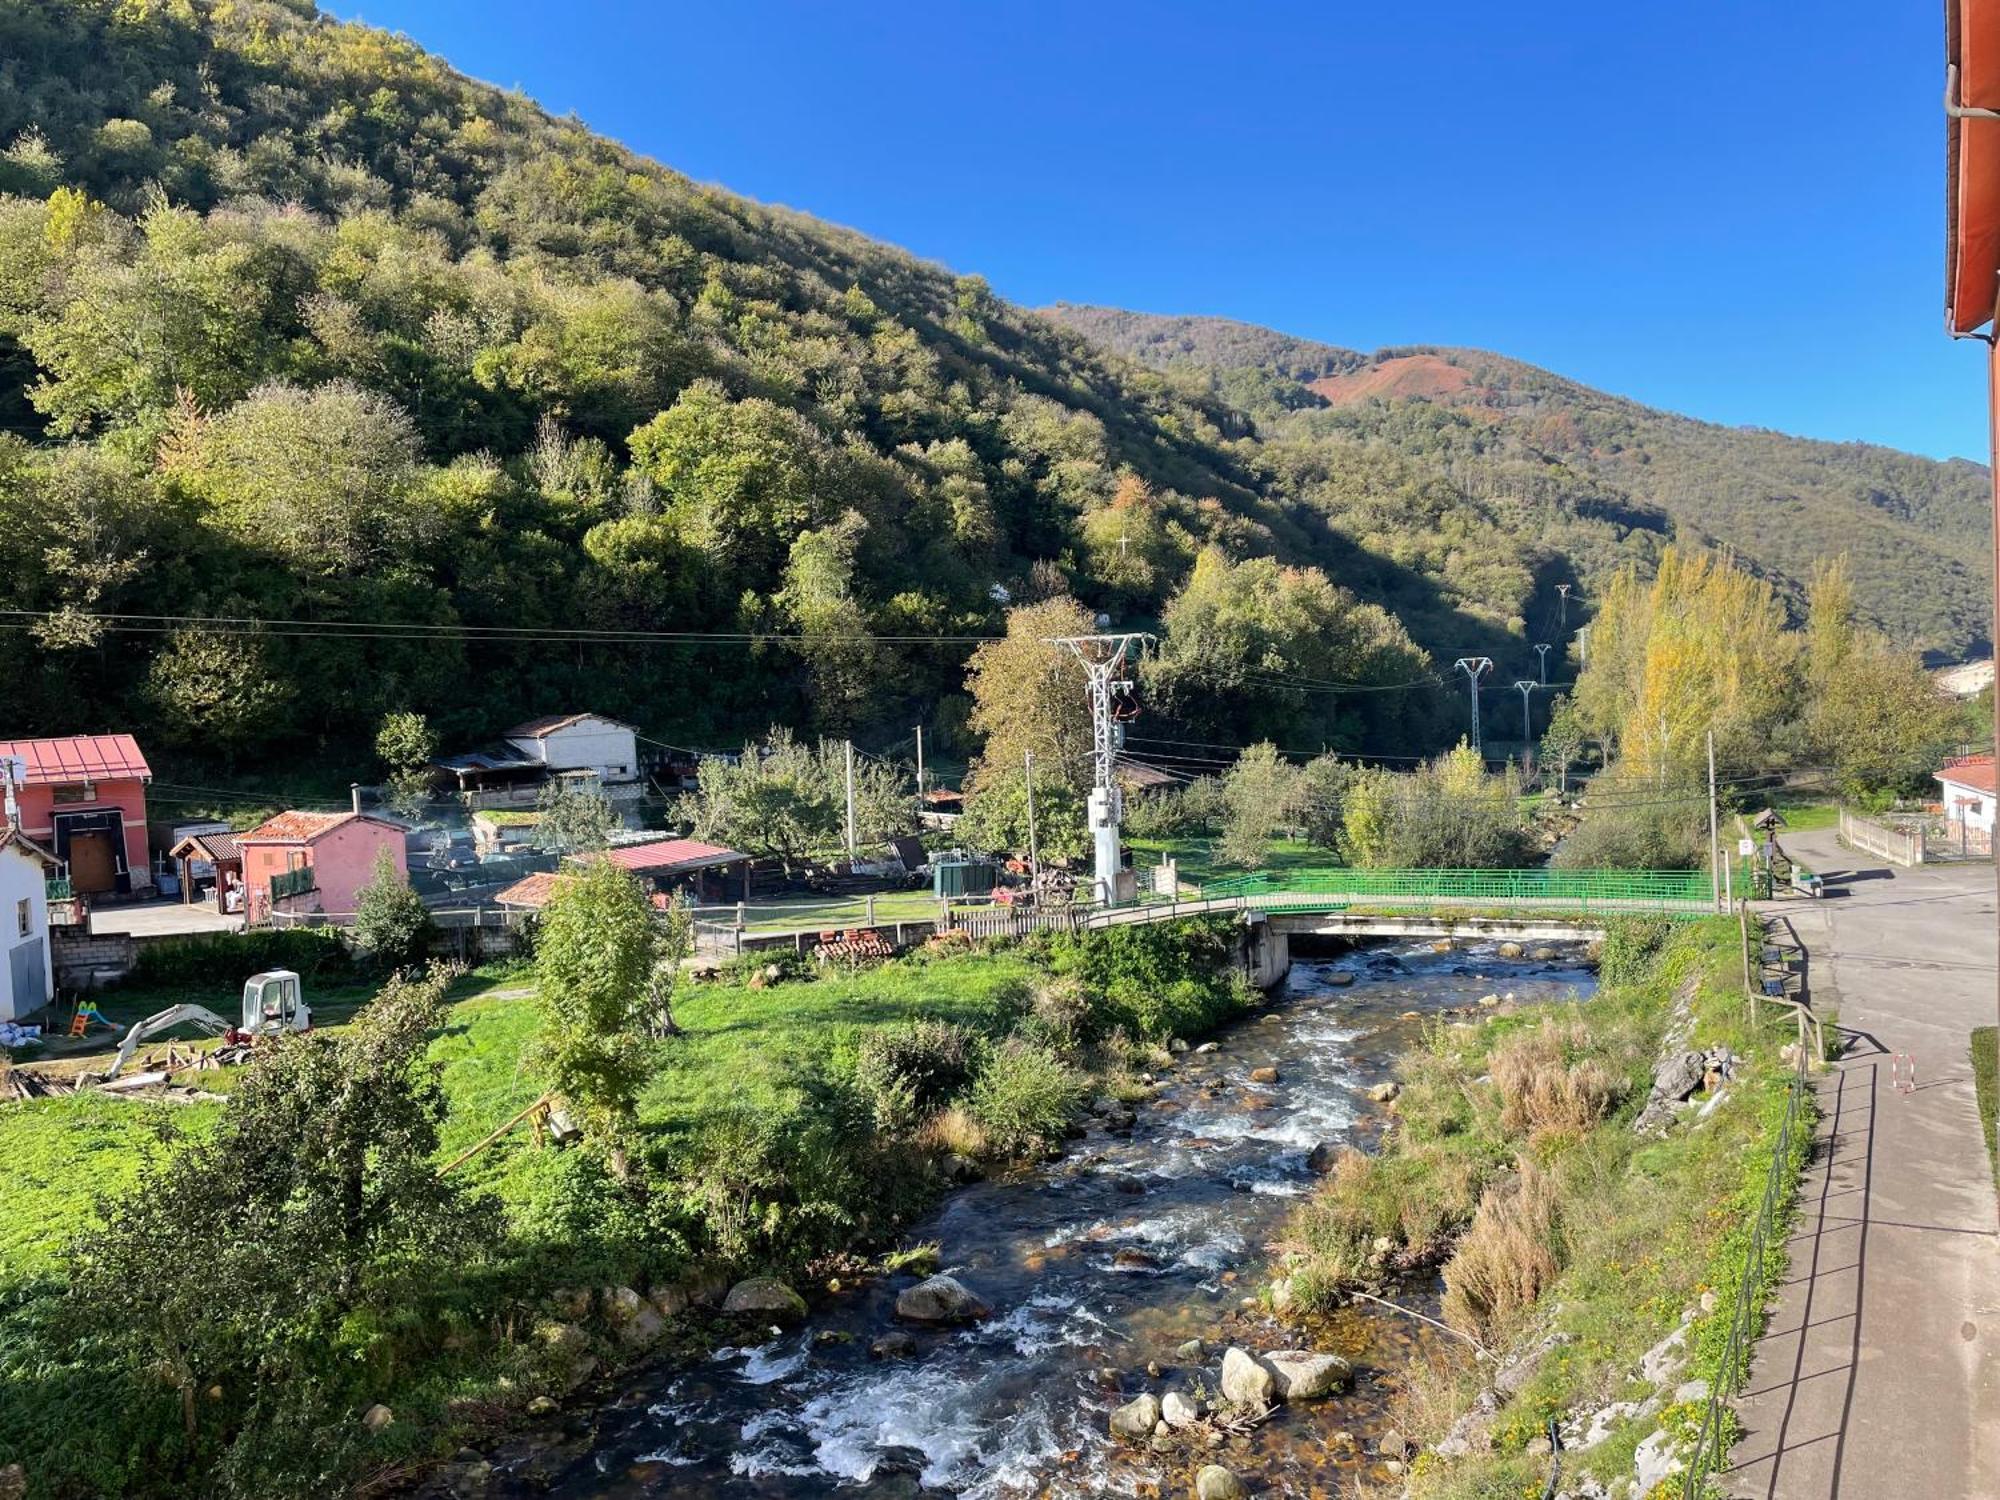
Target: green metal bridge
point(1669, 892)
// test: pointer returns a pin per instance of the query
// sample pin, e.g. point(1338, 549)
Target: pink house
point(83, 798)
point(315, 862)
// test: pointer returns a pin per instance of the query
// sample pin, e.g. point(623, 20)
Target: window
point(24, 915)
point(75, 791)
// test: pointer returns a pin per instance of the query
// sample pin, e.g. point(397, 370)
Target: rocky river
point(1097, 1265)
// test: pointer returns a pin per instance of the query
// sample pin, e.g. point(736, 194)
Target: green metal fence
point(1583, 890)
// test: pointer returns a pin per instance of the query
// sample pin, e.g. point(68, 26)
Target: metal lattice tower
point(1474, 668)
point(1542, 651)
point(1562, 592)
point(1104, 658)
point(1526, 685)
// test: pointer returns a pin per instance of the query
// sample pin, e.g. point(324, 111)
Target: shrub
point(1508, 1255)
point(202, 958)
point(1058, 1013)
point(1156, 979)
point(907, 1073)
point(1630, 946)
point(391, 923)
point(1546, 1086)
point(1025, 1096)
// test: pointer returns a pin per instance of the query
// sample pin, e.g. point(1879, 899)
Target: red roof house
point(316, 861)
point(83, 798)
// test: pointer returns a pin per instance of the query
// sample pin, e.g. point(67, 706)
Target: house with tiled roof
point(83, 798)
point(306, 862)
point(1968, 791)
point(578, 746)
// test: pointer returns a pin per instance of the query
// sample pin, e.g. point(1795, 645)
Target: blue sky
point(1733, 210)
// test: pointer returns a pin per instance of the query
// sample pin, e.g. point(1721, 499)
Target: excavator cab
point(274, 1001)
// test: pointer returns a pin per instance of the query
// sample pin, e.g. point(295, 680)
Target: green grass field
point(1198, 862)
point(742, 1049)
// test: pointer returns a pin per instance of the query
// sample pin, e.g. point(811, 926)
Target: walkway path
point(1880, 1372)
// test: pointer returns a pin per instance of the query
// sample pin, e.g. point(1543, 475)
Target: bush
point(1630, 946)
point(1025, 1096)
point(1157, 979)
point(1546, 1086)
point(201, 958)
point(908, 1073)
point(1508, 1255)
point(392, 926)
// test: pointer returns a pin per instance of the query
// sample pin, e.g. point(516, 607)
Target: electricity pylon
point(1103, 658)
point(1474, 668)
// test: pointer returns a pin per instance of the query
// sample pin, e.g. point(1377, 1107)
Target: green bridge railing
point(1673, 891)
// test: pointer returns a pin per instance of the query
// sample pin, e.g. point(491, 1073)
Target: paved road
point(1880, 1372)
point(162, 918)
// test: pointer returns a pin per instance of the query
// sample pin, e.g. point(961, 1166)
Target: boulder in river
point(1179, 1409)
point(1323, 1157)
point(1384, 1093)
point(940, 1299)
point(1302, 1375)
point(1244, 1381)
point(765, 1297)
point(895, 1344)
point(1130, 1259)
point(1191, 1351)
point(1216, 1483)
point(1339, 978)
point(1543, 955)
point(1509, 950)
point(1264, 1075)
point(1137, 1418)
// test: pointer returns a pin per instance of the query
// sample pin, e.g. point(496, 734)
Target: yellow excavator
point(274, 1002)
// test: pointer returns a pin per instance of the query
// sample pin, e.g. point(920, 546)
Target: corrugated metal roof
point(670, 856)
point(218, 847)
point(530, 890)
point(79, 757)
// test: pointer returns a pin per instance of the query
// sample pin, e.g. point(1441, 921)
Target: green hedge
point(314, 952)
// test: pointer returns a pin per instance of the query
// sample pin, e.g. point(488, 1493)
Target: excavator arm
point(165, 1020)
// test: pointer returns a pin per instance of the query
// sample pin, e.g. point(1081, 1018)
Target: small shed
point(952, 878)
point(213, 863)
point(709, 874)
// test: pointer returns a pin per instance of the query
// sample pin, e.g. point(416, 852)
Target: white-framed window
point(24, 916)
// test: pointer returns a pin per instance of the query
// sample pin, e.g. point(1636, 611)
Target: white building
point(604, 747)
point(1967, 794)
point(27, 973)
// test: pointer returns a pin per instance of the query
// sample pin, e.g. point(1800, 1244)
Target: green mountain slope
point(1521, 438)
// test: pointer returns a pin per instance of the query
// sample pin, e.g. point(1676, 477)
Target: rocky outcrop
point(765, 1297)
point(940, 1299)
point(1137, 1418)
point(1245, 1382)
point(1679, 1076)
point(1301, 1375)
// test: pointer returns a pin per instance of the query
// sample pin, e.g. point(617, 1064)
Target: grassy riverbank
point(1563, 1238)
point(789, 1127)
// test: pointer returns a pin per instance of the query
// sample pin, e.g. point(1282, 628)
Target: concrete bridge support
point(1265, 951)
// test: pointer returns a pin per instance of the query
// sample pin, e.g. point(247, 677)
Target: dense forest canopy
point(1598, 479)
point(350, 386)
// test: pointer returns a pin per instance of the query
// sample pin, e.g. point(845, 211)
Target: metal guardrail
point(1710, 1452)
point(1625, 890)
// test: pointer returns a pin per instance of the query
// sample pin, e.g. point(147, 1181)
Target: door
point(93, 868)
point(28, 979)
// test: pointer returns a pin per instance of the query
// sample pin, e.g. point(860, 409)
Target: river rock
point(765, 1296)
point(543, 1406)
point(1392, 1444)
point(621, 1303)
point(1216, 1483)
point(1120, 1119)
point(1177, 1046)
point(940, 1299)
point(468, 1481)
point(1489, 1000)
point(1339, 978)
point(1543, 955)
point(1190, 1352)
point(1137, 1418)
point(571, 1302)
point(1263, 1075)
point(1383, 1093)
point(1133, 1260)
point(642, 1328)
point(671, 1301)
point(377, 1417)
point(1323, 1157)
point(1509, 950)
point(1206, 1048)
point(1244, 1381)
point(1302, 1375)
point(1179, 1409)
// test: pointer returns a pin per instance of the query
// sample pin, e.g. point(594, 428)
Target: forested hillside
point(298, 325)
point(1596, 477)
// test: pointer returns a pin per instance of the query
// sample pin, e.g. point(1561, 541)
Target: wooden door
point(93, 868)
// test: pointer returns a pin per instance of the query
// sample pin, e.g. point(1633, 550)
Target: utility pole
point(1474, 668)
point(1714, 848)
point(1527, 686)
point(1583, 645)
point(850, 801)
point(920, 770)
point(1103, 658)
point(1542, 651)
point(1562, 592)
point(1034, 851)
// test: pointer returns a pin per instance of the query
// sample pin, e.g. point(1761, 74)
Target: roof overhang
point(1972, 163)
